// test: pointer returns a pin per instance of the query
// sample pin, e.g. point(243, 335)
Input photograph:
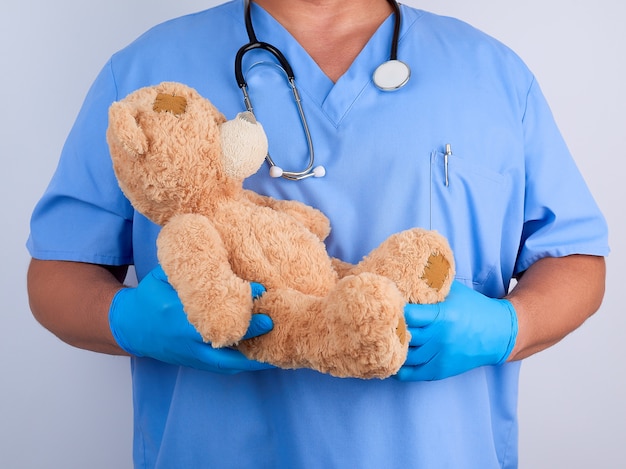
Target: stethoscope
point(388, 76)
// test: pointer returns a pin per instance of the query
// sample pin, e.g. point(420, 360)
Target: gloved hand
point(465, 331)
point(149, 321)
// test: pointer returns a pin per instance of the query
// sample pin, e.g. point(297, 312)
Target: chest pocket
point(468, 205)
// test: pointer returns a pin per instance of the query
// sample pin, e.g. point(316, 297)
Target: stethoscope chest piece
point(391, 75)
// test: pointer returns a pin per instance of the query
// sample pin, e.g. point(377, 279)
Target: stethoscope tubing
point(255, 44)
point(282, 60)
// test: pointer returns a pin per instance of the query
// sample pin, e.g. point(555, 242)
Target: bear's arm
point(313, 219)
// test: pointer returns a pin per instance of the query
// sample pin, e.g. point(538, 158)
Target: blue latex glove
point(149, 321)
point(465, 331)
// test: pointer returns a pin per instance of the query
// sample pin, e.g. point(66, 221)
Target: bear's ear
point(124, 128)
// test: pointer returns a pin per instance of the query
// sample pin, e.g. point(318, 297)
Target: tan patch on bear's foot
point(401, 331)
point(436, 271)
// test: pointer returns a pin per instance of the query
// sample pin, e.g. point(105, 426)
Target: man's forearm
point(72, 300)
point(553, 298)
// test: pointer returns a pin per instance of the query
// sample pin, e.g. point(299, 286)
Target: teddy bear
point(181, 163)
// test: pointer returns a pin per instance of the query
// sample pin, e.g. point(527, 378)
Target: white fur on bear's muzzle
point(244, 145)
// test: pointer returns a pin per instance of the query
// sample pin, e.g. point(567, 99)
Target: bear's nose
point(247, 116)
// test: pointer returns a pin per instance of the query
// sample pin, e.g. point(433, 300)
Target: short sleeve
point(560, 215)
point(83, 216)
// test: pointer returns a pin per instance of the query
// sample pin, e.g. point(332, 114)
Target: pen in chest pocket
point(446, 157)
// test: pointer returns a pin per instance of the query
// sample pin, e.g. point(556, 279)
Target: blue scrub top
point(513, 195)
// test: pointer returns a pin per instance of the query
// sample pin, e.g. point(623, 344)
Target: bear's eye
point(177, 105)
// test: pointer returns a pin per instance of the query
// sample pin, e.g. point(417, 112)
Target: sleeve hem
point(524, 264)
point(100, 259)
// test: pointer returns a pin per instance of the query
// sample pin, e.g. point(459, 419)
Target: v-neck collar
point(334, 99)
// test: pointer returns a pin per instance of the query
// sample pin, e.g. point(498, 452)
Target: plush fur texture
point(181, 164)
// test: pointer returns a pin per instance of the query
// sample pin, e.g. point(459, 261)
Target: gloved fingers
point(259, 324)
point(159, 273)
point(155, 286)
point(233, 361)
point(420, 335)
point(422, 354)
point(225, 360)
point(469, 331)
point(415, 373)
point(149, 321)
point(426, 363)
point(257, 290)
point(417, 315)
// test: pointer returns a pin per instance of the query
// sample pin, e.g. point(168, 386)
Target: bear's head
point(173, 152)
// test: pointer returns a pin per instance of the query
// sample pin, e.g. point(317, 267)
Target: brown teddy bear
point(181, 164)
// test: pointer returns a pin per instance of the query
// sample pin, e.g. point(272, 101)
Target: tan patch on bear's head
point(164, 102)
point(436, 271)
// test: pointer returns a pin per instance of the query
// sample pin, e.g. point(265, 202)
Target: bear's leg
point(358, 330)
point(419, 261)
point(217, 302)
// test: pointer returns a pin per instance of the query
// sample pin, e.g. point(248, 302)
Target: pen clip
point(446, 156)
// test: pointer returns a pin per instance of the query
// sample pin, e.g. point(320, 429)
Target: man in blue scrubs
point(467, 147)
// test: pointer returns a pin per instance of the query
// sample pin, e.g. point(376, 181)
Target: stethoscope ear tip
point(276, 171)
point(319, 172)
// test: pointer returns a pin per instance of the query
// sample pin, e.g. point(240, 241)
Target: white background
point(65, 408)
